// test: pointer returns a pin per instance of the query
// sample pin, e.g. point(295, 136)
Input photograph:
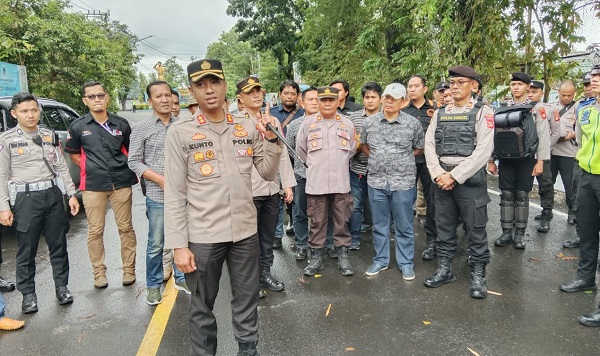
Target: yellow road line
point(160, 318)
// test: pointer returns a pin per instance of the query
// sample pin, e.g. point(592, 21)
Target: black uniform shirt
point(103, 150)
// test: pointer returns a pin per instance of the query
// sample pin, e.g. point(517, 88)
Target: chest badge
point(198, 156)
point(240, 134)
point(198, 136)
point(210, 154)
point(239, 127)
point(206, 169)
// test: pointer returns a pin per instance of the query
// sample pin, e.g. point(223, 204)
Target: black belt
point(447, 167)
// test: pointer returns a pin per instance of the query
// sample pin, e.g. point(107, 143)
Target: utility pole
point(97, 14)
point(528, 44)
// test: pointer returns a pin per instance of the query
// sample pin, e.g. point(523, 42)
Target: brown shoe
point(100, 281)
point(10, 324)
point(128, 278)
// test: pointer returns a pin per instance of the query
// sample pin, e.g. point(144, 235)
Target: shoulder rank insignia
point(201, 119)
point(229, 119)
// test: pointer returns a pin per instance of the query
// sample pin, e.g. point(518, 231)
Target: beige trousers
point(95, 204)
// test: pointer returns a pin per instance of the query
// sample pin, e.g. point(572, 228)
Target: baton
point(282, 139)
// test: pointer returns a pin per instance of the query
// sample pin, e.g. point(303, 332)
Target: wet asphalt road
point(379, 315)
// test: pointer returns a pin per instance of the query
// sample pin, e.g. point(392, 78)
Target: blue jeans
point(301, 217)
point(156, 241)
point(279, 227)
point(359, 190)
point(2, 305)
point(400, 204)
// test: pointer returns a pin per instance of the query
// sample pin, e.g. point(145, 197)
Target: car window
point(10, 121)
point(69, 116)
point(54, 119)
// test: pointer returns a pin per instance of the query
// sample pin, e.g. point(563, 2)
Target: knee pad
point(507, 209)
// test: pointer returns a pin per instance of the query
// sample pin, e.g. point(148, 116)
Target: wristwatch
point(273, 140)
point(72, 196)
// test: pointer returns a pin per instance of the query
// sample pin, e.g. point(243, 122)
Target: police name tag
point(454, 118)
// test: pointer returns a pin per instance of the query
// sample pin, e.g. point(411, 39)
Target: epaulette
point(8, 132)
point(182, 121)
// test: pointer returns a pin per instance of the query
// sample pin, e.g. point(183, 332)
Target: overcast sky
point(181, 28)
point(184, 28)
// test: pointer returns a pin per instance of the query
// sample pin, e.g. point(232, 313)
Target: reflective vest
point(588, 155)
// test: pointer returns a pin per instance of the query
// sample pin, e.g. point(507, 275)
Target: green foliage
point(240, 59)
point(270, 25)
point(63, 50)
point(383, 40)
point(174, 73)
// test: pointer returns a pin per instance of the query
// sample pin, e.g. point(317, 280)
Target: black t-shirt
point(423, 114)
point(103, 150)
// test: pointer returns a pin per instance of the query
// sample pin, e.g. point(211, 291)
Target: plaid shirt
point(147, 151)
point(292, 132)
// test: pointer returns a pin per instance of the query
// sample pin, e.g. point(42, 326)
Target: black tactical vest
point(455, 133)
point(515, 135)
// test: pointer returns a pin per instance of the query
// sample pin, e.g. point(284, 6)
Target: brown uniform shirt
point(326, 146)
point(21, 161)
point(262, 187)
point(208, 186)
point(466, 166)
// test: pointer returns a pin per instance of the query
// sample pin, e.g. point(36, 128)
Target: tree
point(63, 50)
point(270, 25)
point(240, 59)
point(174, 73)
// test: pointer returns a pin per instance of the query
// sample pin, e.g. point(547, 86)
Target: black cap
point(463, 71)
point(200, 69)
point(247, 84)
point(521, 77)
point(441, 86)
point(327, 92)
point(537, 84)
point(587, 78)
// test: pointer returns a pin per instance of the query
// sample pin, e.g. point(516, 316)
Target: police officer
point(326, 141)
point(460, 186)
point(209, 214)
point(588, 97)
point(516, 174)
point(588, 133)
point(545, 184)
point(32, 169)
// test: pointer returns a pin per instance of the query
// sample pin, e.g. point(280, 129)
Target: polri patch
point(206, 169)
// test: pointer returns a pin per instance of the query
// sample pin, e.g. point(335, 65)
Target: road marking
point(555, 212)
point(160, 318)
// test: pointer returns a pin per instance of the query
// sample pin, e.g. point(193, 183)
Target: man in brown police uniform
point(326, 142)
point(209, 214)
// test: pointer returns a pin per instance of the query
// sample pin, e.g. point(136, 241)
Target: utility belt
point(14, 189)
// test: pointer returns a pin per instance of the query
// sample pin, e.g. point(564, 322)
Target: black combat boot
point(268, 281)
point(504, 239)
point(344, 262)
point(6, 286)
point(573, 243)
point(429, 252)
point(332, 252)
point(478, 289)
point(539, 216)
point(248, 349)
point(442, 275)
point(518, 242)
point(315, 264)
point(545, 221)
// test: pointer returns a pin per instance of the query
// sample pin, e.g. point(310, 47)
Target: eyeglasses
point(93, 97)
point(458, 82)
